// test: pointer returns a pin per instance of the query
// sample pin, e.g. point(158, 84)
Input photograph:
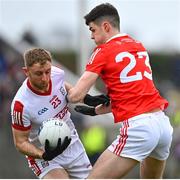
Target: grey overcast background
point(155, 22)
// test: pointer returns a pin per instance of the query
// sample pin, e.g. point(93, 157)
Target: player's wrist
point(95, 111)
point(41, 155)
point(45, 156)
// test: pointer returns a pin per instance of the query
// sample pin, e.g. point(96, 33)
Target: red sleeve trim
point(21, 128)
point(17, 113)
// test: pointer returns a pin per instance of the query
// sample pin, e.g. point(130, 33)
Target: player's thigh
point(111, 166)
point(152, 168)
point(56, 174)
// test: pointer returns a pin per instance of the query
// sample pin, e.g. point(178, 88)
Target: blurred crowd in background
point(95, 137)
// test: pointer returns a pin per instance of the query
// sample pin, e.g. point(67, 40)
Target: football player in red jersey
point(123, 64)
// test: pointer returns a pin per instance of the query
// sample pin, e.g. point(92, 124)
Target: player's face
point(39, 76)
point(97, 33)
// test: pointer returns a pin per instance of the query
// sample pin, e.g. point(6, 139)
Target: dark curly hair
point(104, 11)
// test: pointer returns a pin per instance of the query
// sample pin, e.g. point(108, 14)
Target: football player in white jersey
point(43, 96)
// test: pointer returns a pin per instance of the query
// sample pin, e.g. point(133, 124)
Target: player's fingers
point(78, 108)
point(46, 145)
point(59, 142)
point(66, 142)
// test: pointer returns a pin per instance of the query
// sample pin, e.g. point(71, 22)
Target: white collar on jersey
point(115, 36)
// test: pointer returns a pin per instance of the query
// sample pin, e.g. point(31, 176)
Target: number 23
point(124, 77)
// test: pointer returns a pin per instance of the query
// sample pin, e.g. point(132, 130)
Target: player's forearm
point(75, 96)
point(78, 92)
point(29, 149)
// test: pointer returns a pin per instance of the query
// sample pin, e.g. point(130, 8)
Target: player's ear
point(24, 69)
point(106, 26)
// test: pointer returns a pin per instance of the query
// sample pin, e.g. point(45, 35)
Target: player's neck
point(41, 90)
point(38, 90)
point(112, 34)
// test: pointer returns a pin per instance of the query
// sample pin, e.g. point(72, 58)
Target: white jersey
point(30, 108)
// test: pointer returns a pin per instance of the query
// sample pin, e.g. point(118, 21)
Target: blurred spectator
point(29, 37)
point(10, 78)
point(3, 72)
point(3, 66)
point(176, 70)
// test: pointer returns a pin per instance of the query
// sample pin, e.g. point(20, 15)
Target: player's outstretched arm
point(79, 91)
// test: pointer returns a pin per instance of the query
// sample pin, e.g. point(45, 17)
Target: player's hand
point(85, 110)
point(50, 153)
point(96, 100)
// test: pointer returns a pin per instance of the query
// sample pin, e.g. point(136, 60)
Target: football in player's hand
point(53, 129)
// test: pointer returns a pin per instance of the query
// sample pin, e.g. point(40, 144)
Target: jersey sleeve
point(20, 120)
point(97, 61)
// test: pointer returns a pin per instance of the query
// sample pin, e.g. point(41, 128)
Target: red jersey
point(123, 64)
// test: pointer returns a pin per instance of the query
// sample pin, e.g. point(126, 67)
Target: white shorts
point(144, 135)
point(74, 160)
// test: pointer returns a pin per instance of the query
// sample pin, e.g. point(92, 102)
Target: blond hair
point(36, 55)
